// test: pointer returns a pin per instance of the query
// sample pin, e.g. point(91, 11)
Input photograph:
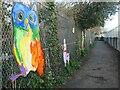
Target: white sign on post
point(66, 56)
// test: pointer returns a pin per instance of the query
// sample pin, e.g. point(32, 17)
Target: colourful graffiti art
point(27, 46)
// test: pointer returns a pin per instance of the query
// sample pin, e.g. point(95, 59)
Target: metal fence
point(9, 67)
point(112, 38)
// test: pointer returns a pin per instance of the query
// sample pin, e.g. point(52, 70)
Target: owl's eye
point(20, 16)
point(31, 18)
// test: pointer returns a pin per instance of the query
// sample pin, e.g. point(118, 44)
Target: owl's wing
point(41, 62)
point(17, 54)
point(37, 57)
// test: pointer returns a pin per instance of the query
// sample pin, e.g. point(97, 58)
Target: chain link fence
point(65, 30)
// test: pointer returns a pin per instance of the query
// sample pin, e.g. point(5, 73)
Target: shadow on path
point(99, 71)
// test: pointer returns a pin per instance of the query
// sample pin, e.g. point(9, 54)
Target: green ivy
point(53, 42)
point(78, 49)
point(83, 53)
point(92, 44)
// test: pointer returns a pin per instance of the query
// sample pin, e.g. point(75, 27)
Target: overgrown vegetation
point(57, 74)
point(92, 14)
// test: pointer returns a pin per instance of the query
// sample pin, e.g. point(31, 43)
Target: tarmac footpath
point(100, 69)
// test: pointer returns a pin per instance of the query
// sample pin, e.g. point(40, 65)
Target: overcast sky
point(110, 24)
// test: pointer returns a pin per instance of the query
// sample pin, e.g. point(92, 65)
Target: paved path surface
point(99, 71)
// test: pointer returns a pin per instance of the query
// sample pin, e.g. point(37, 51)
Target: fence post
point(0, 50)
point(0, 58)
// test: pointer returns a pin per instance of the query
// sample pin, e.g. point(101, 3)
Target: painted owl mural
point(27, 46)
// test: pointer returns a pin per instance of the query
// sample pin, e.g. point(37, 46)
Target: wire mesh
point(9, 65)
